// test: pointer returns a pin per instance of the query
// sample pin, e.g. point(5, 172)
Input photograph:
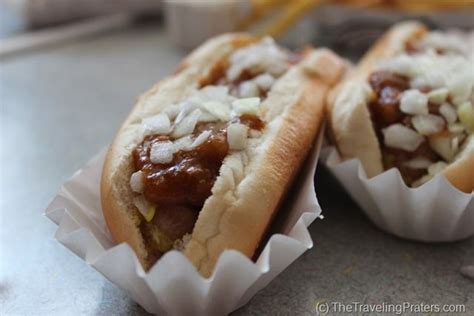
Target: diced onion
point(460, 88)
point(428, 124)
point(264, 56)
point(237, 136)
point(456, 128)
point(254, 133)
point(402, 137)
point(207, 117)
point(188, 106)
point(184, 143)
point(448, 112)
point(172, 111)
point(162, 152)
point(414, 102)
point(436, 168)
point(201, 139)
point(216, 93)
point(466, 115)
point(218, 109)
point(246, 106)
point(158, 124)
point(248, 89)
point(441, 144)
point(187, 124)
point(442, 40)
point(455, 145)
point(433, 79)
point(418, 163)
point(212, 93)
point(137, 181)
point(144, 207)
point(438, 96)
point(185, 107)
point(264, 81)
point(402, 65)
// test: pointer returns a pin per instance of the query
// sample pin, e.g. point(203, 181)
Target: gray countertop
point(61, 105)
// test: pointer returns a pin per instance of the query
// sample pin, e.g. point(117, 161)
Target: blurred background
point(347, 26)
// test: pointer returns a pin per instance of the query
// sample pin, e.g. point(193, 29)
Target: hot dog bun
point(251, 182)
point(350, 121)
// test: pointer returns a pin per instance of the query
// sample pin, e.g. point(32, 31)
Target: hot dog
point(409, 105)
point(206, 156)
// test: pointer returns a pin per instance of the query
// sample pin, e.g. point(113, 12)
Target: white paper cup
point(173, 286)
point(433, 212)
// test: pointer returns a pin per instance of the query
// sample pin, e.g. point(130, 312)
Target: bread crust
point(251, 182)
point(349, 117)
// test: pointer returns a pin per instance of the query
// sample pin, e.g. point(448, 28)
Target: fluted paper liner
point(173, 286)
point(433, 212)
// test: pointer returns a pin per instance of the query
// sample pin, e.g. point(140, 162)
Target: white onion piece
point(172, 111)
point(219, 93)
point(207, 117)
point(442, 40)
point(162, 152)
point(433, 79)
point(184, 108)
point(402, 65)
point(441, 144)
point(466, 115)
point(254, 133)
point(414, 102)
point(158, 124)
point(187, 124)
point(184, 143)
point(438, 96)
point(456, 128)
point(417, 163)
point(188, 105)
point(248, 89)
point(460, 88)
point(437, 168)
point(264, 56)
point(246, 106)
point(217, 109)
point(144, 207)
point(455, 145)
point(237, 136)
point(448, 112)
point(278, 68)
point(137, 181)
point(212, 93)
point(428, 124)
point(401, 137)
point(201, 139)
point(234, 72)
point(264, 81)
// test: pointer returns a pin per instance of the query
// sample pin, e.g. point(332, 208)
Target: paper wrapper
point(173, 286)
point(433, 212)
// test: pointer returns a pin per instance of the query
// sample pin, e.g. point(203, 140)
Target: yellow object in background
point(294, 10)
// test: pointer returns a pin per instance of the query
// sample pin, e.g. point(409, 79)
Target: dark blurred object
point(39, 13)
point(344, 23)
point(351, 31)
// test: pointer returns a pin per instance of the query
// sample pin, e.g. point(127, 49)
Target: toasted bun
point(251, 182)
point(349, 117)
